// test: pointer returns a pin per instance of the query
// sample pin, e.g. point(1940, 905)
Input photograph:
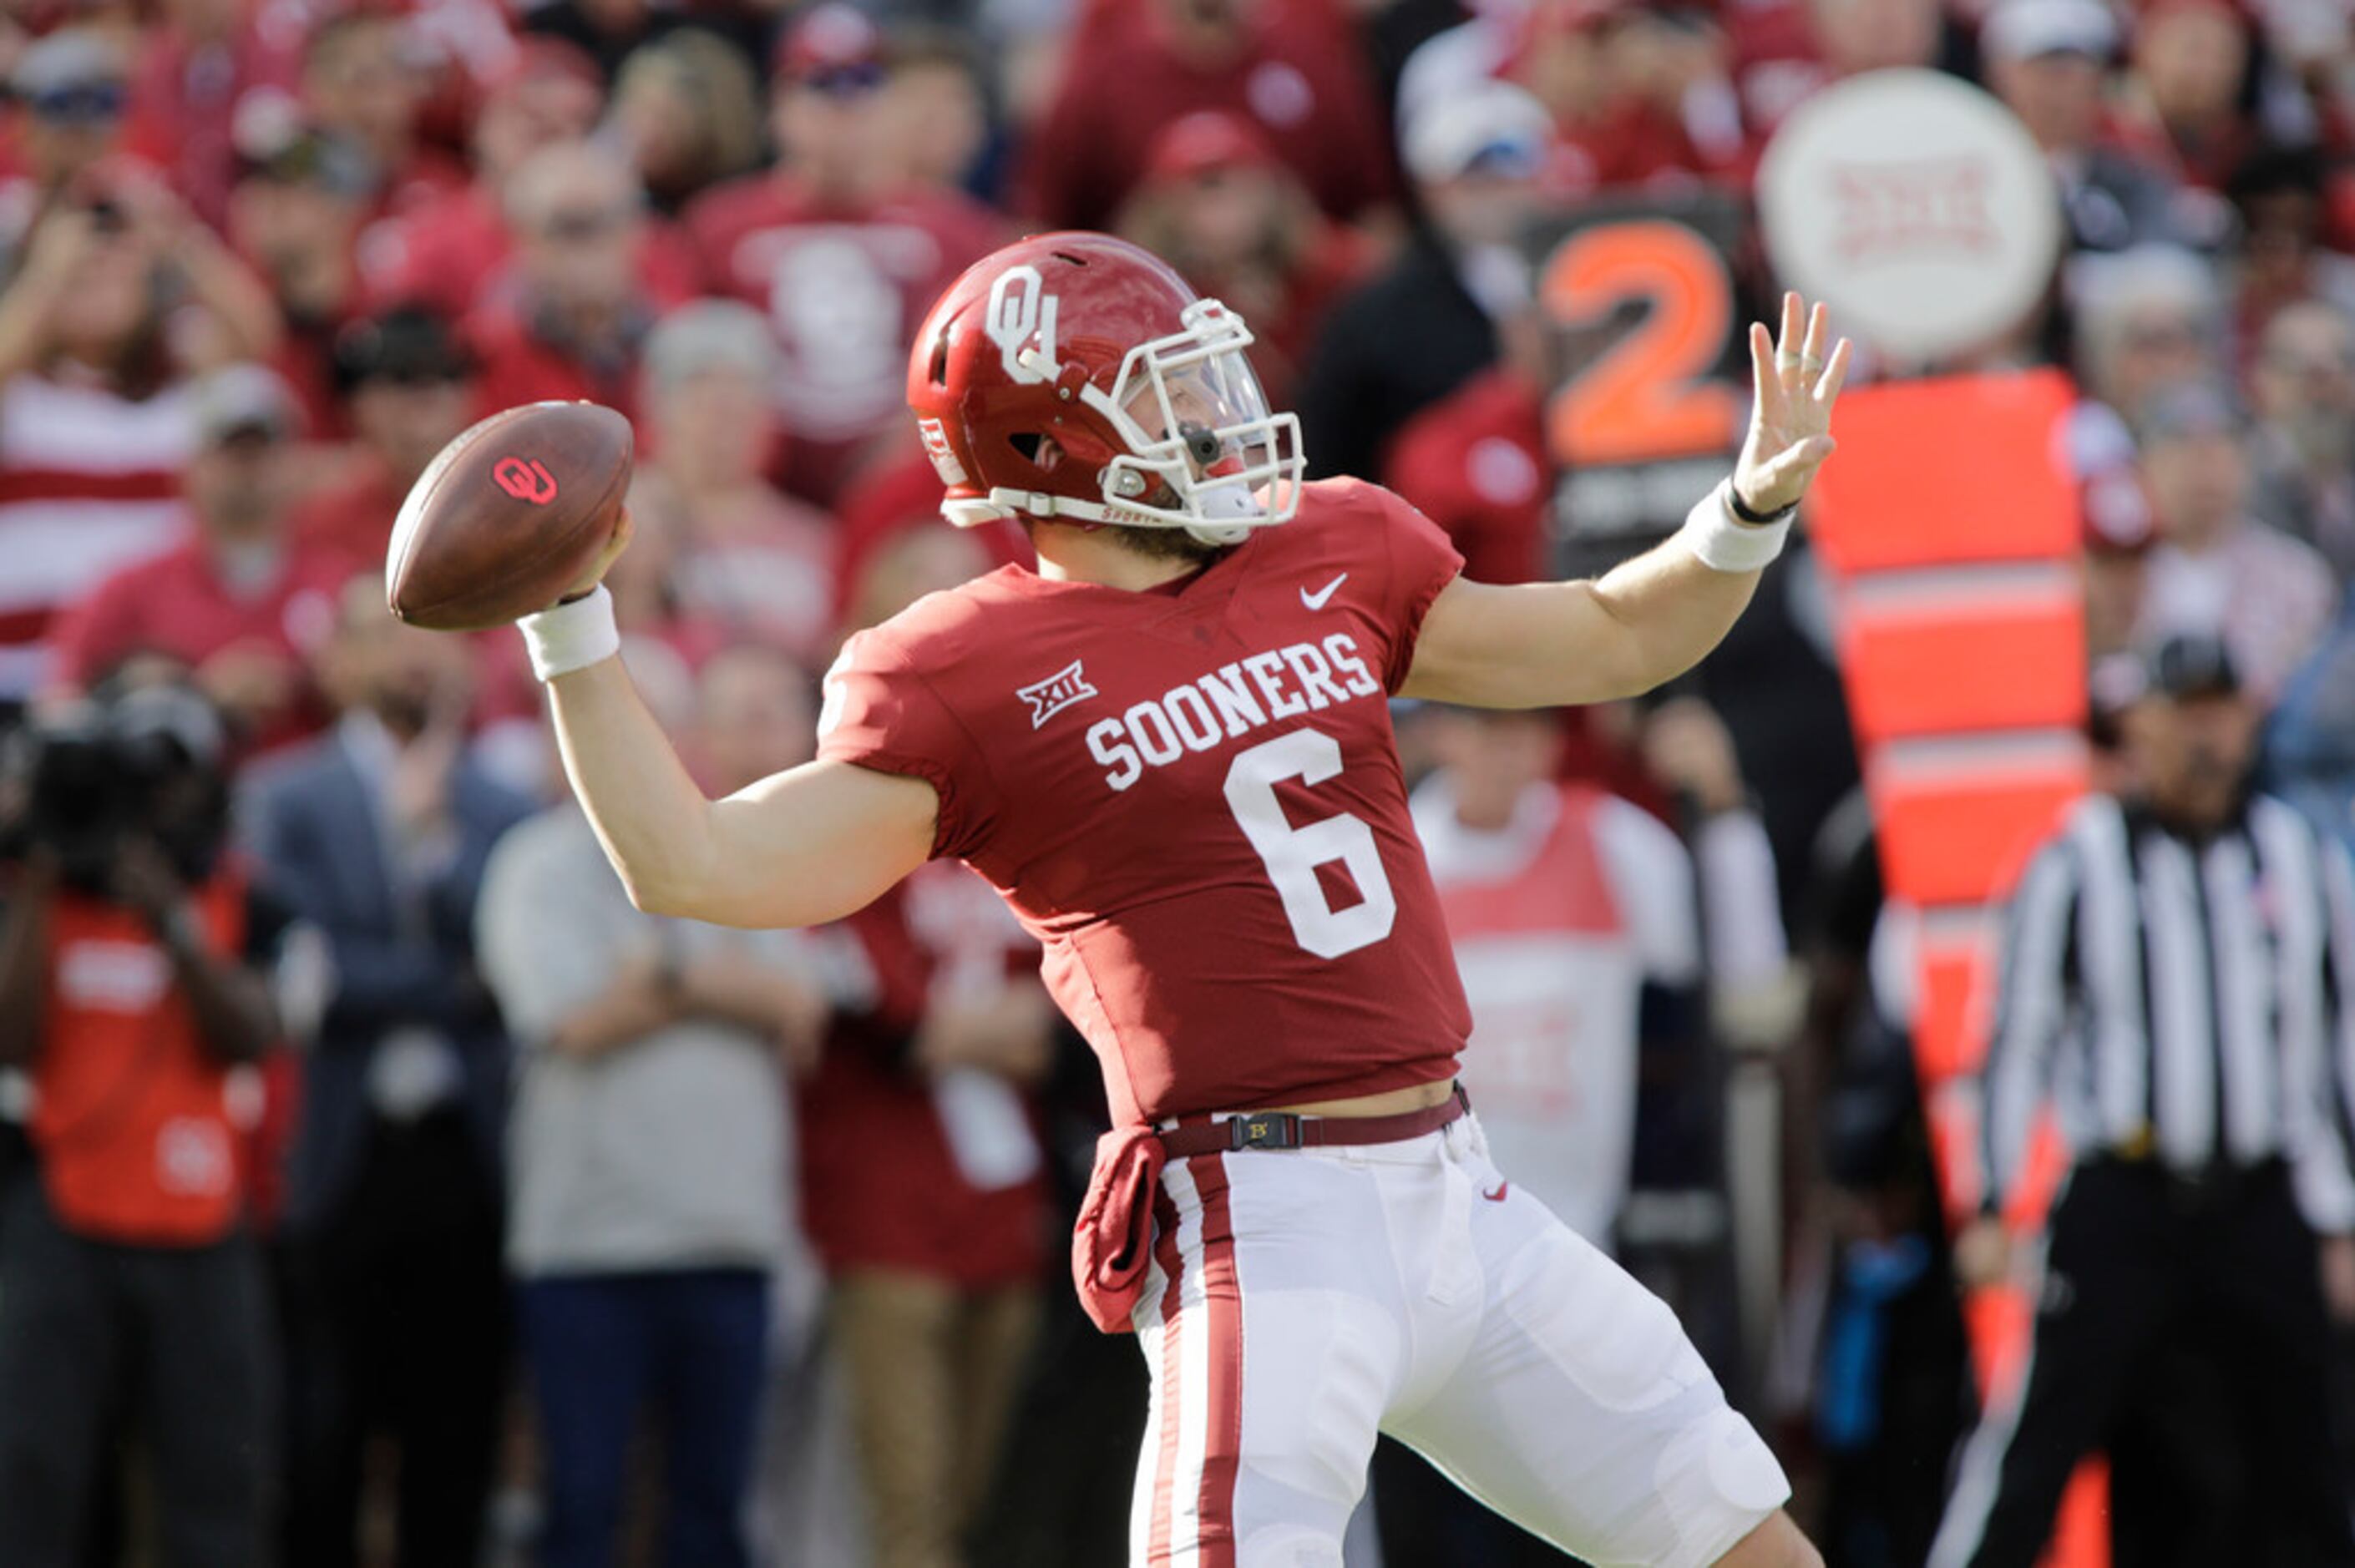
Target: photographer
point(133, 957)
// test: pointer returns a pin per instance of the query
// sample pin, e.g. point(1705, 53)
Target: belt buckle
point(1263, 1129)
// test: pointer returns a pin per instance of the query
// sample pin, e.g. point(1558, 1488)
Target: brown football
point(508, 515)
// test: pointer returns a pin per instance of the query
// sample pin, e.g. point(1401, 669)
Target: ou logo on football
point(525, 480)
point(1020, 309)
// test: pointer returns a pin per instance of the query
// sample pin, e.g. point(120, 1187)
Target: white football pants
point(1303, 1300)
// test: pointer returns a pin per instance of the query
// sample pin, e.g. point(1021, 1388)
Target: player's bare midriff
point(1395, 1102)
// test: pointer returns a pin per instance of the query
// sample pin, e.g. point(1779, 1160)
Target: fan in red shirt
point(195, 71)
point(1271, 60)
point(444, 250)
point(409, 386)
point(2181, 107)
point(1785, 50)
point(569, 319)
point(364, 78)
point(1476, 463)
point(1601, 67)
point(836, 248)
point(1169, 749)
point(1237, 223)
point(242, 602)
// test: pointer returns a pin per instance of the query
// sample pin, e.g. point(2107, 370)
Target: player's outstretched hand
point(1796, 382)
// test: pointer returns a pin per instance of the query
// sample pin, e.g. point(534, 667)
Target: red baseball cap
point(1203, 142)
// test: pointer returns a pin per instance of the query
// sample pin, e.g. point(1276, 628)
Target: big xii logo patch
point(1057, 692)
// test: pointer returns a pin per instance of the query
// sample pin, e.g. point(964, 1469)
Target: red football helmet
point(1075, 375)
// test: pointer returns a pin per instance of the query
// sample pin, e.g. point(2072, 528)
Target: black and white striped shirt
point(2186, 998)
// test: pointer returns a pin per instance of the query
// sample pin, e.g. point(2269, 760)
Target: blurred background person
point(1477, 462)
point(364, 80)
point(1567, 905)
point(935, 1278)
point(1605, 70)
point(569, 319)
point(377, 834)
point(2050, 61)
point(686, 109)
point(1142, 66)
point(408, 382)
point(2145, 320)
point(838, 246)
point(70, 94)
point(752, 560)
point(934, 1303)
point(1427, 322)
point(2181, 103)
point(2309, 735)
point(1216, 203)
point(2216, 569)
point(652, 1171)
point(610, 31)
point(136, 968)
point(442, 250)
point(244, 600)
point(936, 112)
point(2281, 261)
point(294, 216)
point(95, 416)
point(199, 63)
point(2169, 982)
point(2302, 448)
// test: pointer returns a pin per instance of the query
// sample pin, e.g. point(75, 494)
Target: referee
point(2175, 974)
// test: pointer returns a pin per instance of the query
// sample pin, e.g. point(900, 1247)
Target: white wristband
point(573, 636)
point(1726, 544)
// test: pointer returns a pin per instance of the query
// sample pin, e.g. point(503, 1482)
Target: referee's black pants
point(2181, 1324)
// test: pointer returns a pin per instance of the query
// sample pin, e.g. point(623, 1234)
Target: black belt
point(1283, 1129)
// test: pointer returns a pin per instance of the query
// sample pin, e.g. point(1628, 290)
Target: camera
point(83, 776)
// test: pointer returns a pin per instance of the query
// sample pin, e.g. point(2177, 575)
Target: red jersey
point(1192, 798)
point(1476, 461)
point(180, 604)
point(844, 290)
point(931, 1219)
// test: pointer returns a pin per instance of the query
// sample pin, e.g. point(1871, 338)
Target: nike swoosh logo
point(1317, 600)
point(1499, 1195)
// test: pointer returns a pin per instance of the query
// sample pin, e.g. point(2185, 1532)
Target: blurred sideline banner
point(1948, 530)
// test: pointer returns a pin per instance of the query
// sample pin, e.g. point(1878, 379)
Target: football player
point(1168, 747)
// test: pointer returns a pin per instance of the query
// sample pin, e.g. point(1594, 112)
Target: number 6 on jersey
point(1292, 854)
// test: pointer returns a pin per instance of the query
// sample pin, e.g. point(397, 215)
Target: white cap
point(1447, 136)
point(2028, 29)
point(239, 398)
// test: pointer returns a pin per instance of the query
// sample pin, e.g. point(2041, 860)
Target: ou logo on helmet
point(525, 480)
point(1019, 309)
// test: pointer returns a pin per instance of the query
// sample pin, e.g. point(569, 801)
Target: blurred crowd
point(378, 1186)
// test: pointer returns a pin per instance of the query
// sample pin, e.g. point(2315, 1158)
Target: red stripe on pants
point(1223, 1300)
point(1221, 1308)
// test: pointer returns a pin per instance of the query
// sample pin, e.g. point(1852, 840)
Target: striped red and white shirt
point(89, 483)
